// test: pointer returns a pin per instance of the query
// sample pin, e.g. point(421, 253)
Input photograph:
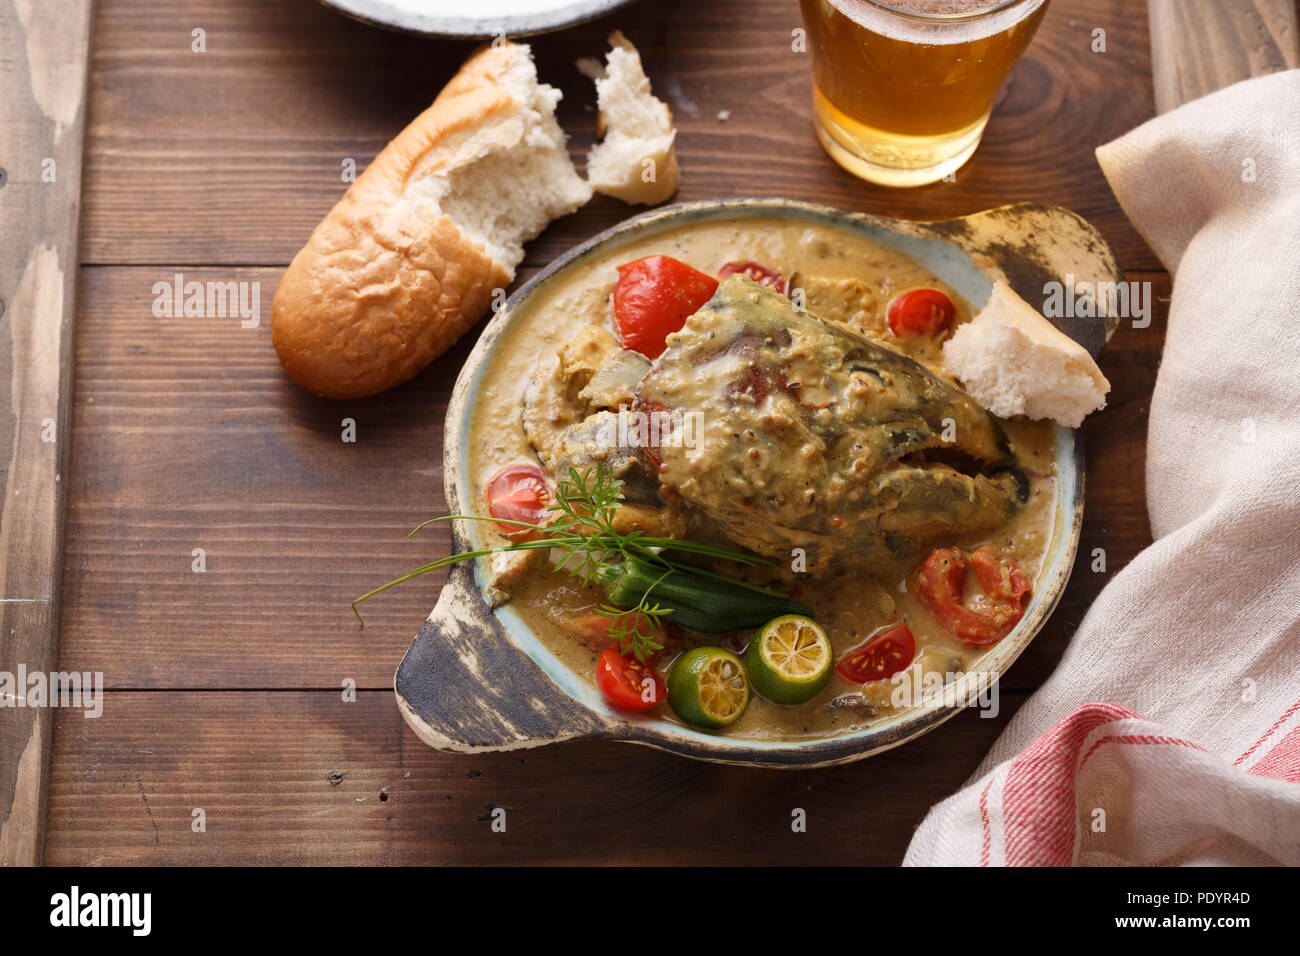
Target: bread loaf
point(410, 257)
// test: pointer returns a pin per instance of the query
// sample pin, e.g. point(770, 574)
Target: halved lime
point(707, 687)
point(790, 659)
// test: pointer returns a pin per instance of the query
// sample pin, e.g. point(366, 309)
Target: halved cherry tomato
point(518, 493)
point(627, 683)
point(921, 312)
point(759, 273)
point(883, 656)
point(941, 579)
point(653, 298)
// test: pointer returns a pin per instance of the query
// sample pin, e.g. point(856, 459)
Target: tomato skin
point(941, 579)
point(518, 493)
point(622, 680)
point(756, 271)
point(653, 298)
point(884, 655)
point(921, 312)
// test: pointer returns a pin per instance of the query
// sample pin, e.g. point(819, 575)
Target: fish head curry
point(731, 482)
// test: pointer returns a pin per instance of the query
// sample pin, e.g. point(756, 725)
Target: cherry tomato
point(942, 578)
point(883, 656)
point(653, 298)
point(921, 312)
point(518, 493)
point(759, 273)
point(627, 683)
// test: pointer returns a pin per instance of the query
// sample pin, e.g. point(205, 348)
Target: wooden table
point(227, 687)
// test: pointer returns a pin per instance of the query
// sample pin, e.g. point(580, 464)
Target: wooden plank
point(1199, 46)
point(178, 449)
point(233, 155)
point(305, 778)
point(187, 435)
point(44, 51)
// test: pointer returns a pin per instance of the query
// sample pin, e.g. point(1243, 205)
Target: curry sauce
point(561, 345)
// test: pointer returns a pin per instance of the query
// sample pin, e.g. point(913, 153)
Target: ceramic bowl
point(477, 679)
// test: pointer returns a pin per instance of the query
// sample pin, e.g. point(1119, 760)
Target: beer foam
point(906, 20)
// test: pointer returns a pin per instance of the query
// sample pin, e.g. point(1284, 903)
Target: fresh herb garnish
point(584, 534)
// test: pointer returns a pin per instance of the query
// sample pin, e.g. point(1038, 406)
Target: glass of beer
point(902, 89)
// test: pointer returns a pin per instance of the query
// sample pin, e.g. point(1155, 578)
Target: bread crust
point(379, 291)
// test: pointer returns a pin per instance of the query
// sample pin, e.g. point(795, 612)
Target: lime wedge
point(707, 687)
point(790, 659)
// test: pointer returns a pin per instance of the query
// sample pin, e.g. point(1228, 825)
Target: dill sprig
point(583, 533)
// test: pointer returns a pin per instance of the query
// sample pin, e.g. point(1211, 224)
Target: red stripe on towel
point(984, 816)
point(1137, 739)
point(1268, 733)
point(1038, 799)
point(1283, 761)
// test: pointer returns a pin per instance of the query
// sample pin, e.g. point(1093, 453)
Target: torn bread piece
point(636, 160)
point(1013, 361)
point(412, 254)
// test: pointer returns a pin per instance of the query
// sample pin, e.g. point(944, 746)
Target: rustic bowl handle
point(464, 686)
point(1009, 238)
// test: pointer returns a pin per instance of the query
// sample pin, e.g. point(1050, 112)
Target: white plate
point(476, 18)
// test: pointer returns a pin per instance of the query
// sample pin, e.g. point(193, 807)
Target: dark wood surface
point(44, 59)
point(1199, 46)
point(226, 685)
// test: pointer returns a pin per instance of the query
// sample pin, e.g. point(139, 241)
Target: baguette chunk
point(1013, 361)
point(413, 253)
point(636, 161)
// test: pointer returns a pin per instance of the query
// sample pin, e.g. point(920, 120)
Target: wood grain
point(187, 435)
point(44, 52)
point(1199, 46)
point(191, 436)
point(304, 778)
point(233, 155)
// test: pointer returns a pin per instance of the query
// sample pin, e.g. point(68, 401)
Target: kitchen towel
point(1170, 731)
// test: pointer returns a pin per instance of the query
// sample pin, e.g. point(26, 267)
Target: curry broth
point(847, 277)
